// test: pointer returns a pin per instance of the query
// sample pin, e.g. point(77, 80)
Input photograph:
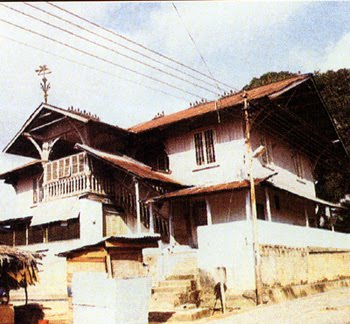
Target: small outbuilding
point(118, 257)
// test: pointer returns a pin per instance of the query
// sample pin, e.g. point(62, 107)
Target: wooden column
point(138, 207)
point(306, 217)
point(27, 234)
point(247, 206)
point(267, 204)
point(209, 218)
point(171, 224)
point(151, 218)
point(109, 266)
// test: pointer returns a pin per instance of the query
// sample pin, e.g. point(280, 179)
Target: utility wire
point(108, 48)
point(92, 67)
point(138, 44)
point(99, 58)
point(118, 44)
point(196, 46)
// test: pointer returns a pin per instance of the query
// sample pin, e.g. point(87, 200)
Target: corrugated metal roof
point(27, 166)
point(55, 211)
point(202, 190)
point(132, 238)
point(128, 164)
point(223, 103)
point(303, 195)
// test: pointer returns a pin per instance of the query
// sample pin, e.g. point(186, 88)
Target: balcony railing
point(75, 185)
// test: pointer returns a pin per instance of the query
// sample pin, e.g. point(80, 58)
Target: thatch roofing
point(18, 268)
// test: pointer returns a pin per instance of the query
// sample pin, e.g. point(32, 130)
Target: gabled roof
point(128, 164)
point(44, 110)
point(275, 88)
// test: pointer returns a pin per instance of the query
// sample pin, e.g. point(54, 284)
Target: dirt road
point(332, 307)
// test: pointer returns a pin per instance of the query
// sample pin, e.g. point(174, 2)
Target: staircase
point(177, 299)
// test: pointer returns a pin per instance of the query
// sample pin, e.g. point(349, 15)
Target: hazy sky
point(239, 40)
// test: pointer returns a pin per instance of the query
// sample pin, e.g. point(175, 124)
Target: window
point(204, 146)
point(37, 190)
point(266, 158)
point(298, 165)
point(277, 202)
point(260, 211)
point(64, 167)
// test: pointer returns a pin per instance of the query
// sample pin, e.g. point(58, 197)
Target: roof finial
point(45, 86)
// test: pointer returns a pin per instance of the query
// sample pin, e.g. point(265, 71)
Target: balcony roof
point(129, 165)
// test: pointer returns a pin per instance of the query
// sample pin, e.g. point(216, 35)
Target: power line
point(108, 48)
point(137, 44)
point(99, 58)
point(92, 67)
point(117, 43)
point(195, 45)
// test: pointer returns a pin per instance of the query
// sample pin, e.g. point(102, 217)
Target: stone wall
point(287, 266)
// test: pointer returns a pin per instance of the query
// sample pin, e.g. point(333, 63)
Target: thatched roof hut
point(18, 268)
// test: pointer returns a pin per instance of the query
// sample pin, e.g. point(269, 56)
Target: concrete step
point(172, 289)
point(181, 277)
point(183, 315)
point(171, 299)
point(179, 283)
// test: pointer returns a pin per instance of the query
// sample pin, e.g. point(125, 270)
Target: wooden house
point(184, 176)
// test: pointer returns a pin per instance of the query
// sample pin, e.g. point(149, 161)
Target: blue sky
point(239, 41)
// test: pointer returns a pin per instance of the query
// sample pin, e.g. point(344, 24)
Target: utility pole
point(45, 86)
point(254, 222)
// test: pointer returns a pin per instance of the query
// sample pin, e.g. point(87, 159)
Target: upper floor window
point(267, 158)
point(204, 145)
point(298, 165)
point(65, 167)
point(37, 190)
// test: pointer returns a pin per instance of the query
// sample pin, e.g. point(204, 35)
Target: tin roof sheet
point(233, 100)
point(128, 164)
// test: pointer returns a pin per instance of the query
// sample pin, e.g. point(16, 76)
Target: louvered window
point(65, 167)
point(204, 146)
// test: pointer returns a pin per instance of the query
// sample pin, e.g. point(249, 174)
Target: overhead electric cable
point(137, 44)
point(195, 45)
point(99, 58)
point(92, 68)
point(108, 48)
point(117, 43)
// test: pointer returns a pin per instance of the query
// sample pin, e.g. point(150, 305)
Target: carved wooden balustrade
point(71, 176)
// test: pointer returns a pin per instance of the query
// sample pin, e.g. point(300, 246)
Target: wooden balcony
point(76, 185)
point(72, 176)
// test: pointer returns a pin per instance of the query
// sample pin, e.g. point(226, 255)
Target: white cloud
point(335, 56)
point(338, 55)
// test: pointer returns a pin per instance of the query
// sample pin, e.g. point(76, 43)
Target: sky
point(238, 41)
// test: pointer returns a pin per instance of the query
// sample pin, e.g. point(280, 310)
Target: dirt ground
point(332, 307)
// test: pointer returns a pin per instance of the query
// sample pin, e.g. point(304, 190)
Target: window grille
point(267, 157)
point(204, 141)
point(298, 165)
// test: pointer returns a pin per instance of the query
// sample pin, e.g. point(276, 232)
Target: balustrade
point(76, 185)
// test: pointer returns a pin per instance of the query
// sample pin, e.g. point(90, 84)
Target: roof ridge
point(206, 106)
